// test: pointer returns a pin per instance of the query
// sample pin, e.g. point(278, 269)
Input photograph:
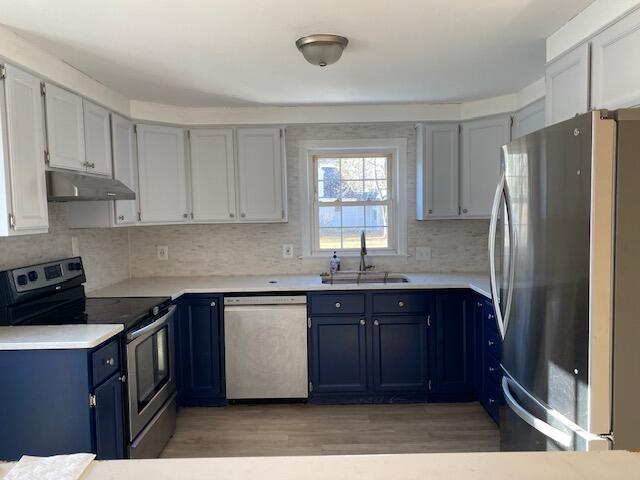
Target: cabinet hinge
point(309, 322)
point(310, 386)
point(46, 156)
point(3, 71)
point(92, 401)
point(429, 384)
point(428, 320)
point(43, 89)
point(12, 221)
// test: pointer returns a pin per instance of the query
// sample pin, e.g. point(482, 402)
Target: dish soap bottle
point(334, 264)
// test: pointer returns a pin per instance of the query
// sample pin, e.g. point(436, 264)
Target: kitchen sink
point(358, 278)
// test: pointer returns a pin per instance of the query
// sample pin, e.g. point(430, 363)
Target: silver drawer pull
point(401, 303)
point(376, 322)
point(213, 304)
point(338, 305)
point(110, 361)
point(362, 321)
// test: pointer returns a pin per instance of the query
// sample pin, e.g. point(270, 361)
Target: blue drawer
point(106, 361)
point(399, 303)
point(337, 304)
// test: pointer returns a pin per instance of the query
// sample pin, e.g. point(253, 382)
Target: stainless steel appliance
point(564, 232)
point(266, 347)
point(53, 294)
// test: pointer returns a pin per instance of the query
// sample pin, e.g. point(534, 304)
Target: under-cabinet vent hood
point(71, 186)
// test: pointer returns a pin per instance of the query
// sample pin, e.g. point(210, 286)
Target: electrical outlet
point(287, 251)
point(423, 254)
point(163, 252)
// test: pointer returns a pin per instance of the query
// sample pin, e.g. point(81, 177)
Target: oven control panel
point(46, 274)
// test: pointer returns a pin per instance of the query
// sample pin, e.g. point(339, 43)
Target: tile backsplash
point(111, 255)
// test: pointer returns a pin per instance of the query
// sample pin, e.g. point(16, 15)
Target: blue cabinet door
point(201, 336)
point(109, 419)
point(452, 345)
point(399, 353)
point(338, 355)
point(478, 344)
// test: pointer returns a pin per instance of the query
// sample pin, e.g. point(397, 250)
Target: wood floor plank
point(301, 429)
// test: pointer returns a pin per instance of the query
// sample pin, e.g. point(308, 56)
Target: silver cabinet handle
point(362, 321)
point(491, 316)
point(185, 215)
point(110, 361)
point(338, 305)
point(243, 215)
point(122, 378)
point(491, 369)
point(479, 304)
point(213, 304)
point(232, 215)
point(376, 322)
point(464, 210)
point(401, 304)
point(121, 218)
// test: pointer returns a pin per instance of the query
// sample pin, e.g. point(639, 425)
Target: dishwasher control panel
point(267, 300)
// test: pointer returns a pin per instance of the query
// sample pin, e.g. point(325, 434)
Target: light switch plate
point(163, 252)
point(287, 251)
point(423, 254)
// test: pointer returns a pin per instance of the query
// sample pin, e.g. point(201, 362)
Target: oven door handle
point(152, 326)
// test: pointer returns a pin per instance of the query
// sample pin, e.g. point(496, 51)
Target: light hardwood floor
point(300, 429)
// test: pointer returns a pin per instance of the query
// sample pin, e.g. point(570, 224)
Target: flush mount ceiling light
point(322, 49)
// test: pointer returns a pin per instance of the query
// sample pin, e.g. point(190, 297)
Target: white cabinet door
point(25, 180)
point(213, 176)
point(437, 171)
point(528, 119)
point(124, 167)
point(567, 85)
point(482, 142)
point(261, 175)
point(162, 177)
point(615, 73)
point(65, 128)
point(97, 137)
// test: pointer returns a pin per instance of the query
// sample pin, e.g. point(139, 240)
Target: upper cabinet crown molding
point(23, 194)
point(567, 85)
point(65, 128)
point(615, 73)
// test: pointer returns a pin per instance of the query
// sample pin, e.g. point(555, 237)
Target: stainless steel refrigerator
point(564, 252)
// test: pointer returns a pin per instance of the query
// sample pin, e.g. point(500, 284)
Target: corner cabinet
point(261, 175)
point(23, 192)
point(201, 351)
point(162, 174)
point(482, 142)
point(437, 173)
point(567, 85)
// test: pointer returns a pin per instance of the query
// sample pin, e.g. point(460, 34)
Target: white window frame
point(397, 173)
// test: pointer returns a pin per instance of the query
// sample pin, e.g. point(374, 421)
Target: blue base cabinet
point(200, 337)
point(491, 374)
point(62, 402)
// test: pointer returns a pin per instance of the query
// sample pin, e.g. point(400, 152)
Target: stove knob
point(22, 280)
point(33, 276)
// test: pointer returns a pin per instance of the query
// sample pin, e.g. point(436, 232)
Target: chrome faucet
point(363, 252)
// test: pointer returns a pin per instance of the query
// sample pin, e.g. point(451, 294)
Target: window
point(352, 196)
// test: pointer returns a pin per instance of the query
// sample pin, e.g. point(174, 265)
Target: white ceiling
point(241, 52)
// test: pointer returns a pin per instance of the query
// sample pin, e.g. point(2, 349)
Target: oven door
point(150, 370)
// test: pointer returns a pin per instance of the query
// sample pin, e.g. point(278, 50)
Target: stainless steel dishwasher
point(265, 339)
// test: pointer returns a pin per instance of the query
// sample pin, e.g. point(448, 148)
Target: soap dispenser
point(334, 264)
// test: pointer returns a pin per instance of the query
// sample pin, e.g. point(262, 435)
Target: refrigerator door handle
point(493, 225)
point(543, 427)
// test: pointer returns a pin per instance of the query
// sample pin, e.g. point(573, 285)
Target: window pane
point(329, 217)
point(352, 190)
point(352, 168)
point(375, 190)
point(330, 238)
point(376, 216)
point(353, 217)
point(375, 168)
point(328, 179)
point(351, 237)
point(377, 237)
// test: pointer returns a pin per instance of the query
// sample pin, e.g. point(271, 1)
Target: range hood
point(71, 186)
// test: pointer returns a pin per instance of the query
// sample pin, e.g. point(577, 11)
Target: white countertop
point(55, 337)
point(175, 286)
point(450, 466)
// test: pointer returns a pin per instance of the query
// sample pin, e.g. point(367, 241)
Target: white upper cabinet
point(528, 119)
point(615, 73)
point(65, 128)
point(567, 85)
point(162, 177)
point(482, 142)
point(261, 175)
point(23, 194)
point(437, 171)
point(213, 177)
point(124, 167)
point(97, 135)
